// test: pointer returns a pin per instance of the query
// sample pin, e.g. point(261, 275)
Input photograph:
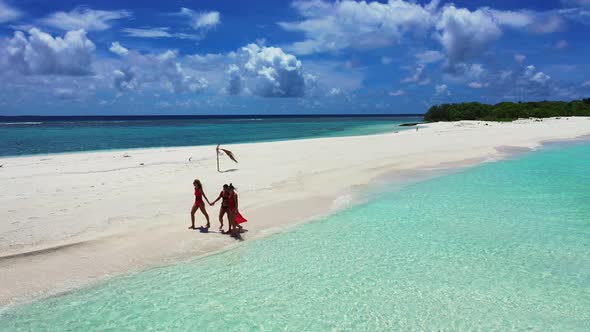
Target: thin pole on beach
point(217, 154)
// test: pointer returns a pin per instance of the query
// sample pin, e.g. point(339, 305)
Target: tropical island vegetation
point(507, 111)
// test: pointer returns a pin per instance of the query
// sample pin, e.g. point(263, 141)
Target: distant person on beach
point(223, 210)
point(199, 204)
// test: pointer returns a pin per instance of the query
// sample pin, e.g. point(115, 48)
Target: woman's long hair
point(198, 183)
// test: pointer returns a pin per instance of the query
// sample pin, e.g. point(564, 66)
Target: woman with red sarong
point(233, 214)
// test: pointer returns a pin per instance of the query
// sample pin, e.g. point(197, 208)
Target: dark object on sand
point(409, 124)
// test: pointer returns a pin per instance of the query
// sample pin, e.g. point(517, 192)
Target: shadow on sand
point(229, 170)
point(237, 236)
point(203, 229)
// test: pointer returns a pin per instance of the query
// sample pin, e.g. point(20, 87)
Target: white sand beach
point(69, 220)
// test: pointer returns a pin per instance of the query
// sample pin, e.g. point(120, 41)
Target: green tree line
point(507, 111)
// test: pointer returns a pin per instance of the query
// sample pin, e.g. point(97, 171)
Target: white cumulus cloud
point(268, 72)
point(180, 82)
point(85, 18)
point(164, 70)
point(540, 77)
point(124, 80)
point(332, 26)
point(533, 75)
point(335, 92)
point(464, 34)
point(42, 54)
point(441, 89)
point(524, 82)
point(118, 49)
point(470, 71)
point(236, 81)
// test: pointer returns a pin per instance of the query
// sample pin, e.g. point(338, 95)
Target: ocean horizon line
point(21, 118)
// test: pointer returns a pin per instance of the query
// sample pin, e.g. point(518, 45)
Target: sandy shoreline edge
point(70, 220)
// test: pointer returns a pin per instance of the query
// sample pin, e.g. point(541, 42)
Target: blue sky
point(277, 57)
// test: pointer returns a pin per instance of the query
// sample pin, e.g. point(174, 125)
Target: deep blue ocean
point(43, 135)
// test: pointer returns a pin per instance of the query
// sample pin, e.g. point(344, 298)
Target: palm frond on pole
point(221, 151)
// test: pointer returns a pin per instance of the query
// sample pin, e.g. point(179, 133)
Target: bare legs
point(221, 213)
point(233, 227)
point(194, 210)
point(202, 207)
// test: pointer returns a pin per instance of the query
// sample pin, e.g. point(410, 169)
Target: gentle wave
point(19, 123)
point(101, 122)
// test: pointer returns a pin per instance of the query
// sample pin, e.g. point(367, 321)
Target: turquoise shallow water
point(502, 246)
point(51, 135)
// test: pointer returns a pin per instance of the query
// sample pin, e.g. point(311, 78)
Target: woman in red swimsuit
point(199, 194)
